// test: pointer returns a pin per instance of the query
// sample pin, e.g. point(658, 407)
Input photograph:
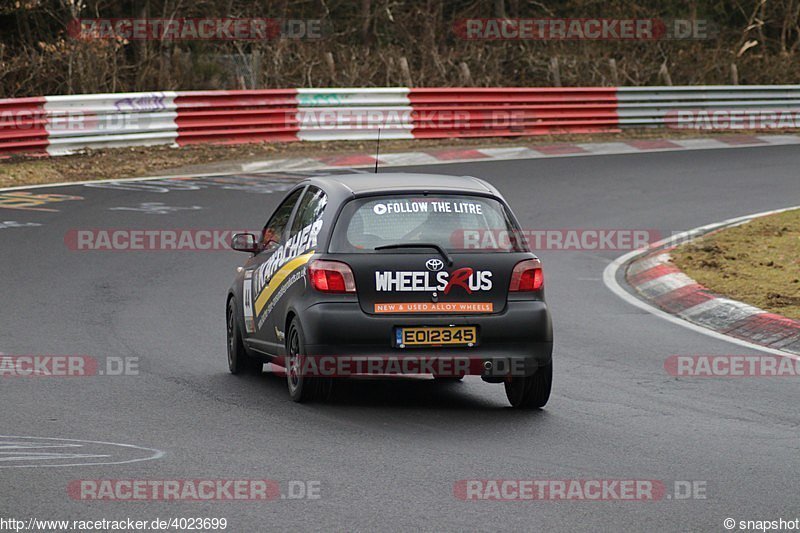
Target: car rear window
point(454, 222)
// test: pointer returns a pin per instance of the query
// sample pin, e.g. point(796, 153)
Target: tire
point(302, 388)
point(239, 362)
point(530, 392)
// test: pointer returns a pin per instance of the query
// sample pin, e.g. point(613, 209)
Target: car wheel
point(531, 391)
point(238, 360)
point(302, 388)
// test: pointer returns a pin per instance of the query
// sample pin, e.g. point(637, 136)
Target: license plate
point(437, 336)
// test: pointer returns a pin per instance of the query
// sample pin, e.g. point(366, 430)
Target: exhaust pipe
point(488, 373)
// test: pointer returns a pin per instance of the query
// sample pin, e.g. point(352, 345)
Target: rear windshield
point(456, 223)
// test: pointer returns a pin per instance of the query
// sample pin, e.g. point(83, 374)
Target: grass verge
point(757, 263)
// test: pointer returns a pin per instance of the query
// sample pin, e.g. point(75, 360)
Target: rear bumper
point(521, 335)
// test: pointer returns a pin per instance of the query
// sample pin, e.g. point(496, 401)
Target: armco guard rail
point(64, 124)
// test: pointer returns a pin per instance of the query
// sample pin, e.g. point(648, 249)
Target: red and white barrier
point(508, 112)
point(354, 114)
point(64, 124)
point(236, 116)
point(109, 120)
point(23, 126)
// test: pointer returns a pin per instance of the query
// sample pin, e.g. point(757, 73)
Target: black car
point(392, 267)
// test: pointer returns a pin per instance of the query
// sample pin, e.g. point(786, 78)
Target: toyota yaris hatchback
point(388, 268)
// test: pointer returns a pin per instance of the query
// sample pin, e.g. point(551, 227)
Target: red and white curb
point(666, 291)
point(534, 151)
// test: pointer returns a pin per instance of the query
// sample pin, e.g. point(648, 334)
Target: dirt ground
point(757, 263)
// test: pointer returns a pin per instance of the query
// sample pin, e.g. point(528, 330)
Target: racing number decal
point(247, 297)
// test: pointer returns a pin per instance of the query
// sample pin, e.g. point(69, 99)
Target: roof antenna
point(377, 150)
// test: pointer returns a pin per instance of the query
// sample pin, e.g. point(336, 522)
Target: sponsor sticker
point(431, 206)
point(278, 278)
point(303, 241)
point(287, 284)
point(247, 296)
point(435, 307)
point(423, 281)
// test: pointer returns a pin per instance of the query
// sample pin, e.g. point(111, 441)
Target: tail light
point(527, 276)
point(331, 276)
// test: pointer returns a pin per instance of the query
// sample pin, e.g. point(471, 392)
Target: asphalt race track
point(387, 454)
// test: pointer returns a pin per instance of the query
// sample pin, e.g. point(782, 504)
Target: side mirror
point(244, 242)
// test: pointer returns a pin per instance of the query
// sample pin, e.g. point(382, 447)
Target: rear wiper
point(442, 251)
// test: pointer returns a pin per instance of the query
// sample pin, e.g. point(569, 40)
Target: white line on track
point(155, 454)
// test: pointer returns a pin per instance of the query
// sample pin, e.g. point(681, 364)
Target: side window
point(310, 209)
point(272, 234)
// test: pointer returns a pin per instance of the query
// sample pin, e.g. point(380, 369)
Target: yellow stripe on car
point(278, 278)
